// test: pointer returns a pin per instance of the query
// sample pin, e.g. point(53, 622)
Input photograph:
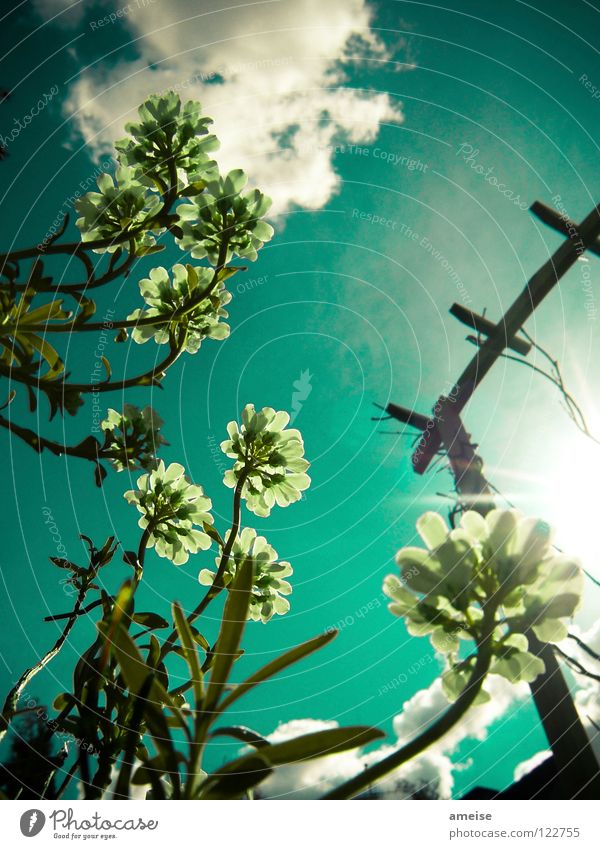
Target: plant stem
point(141, 553)
point(161, 219)
point(217, 584)
point(12, 699)
point(67, 780)
point(437, 730)
point(92, 282)
point(38, 443)
point(73, 326)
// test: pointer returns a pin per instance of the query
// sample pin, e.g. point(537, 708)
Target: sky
point(366, 123)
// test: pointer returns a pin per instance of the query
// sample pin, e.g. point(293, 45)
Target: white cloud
point(434, 769)
point(427, 705)
point(525, 767)
point(269, 73)
point(310, 780)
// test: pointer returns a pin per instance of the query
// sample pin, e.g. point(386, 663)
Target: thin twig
point(576, 666)
point(584, 646)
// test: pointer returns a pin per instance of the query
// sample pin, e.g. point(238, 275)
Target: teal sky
point(363, 308)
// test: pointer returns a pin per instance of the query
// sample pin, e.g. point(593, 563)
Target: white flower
point(270, 458)
point(168, 133)
point(502, 562)
point(121, 206)
point(269, 586)
point(180, 304)
point(131, 438)
point(222, 214)
point(171, 506)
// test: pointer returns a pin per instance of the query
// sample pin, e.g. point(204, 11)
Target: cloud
point(525, 767)
point(434, 770)
point(427, 705)
point(310, 780)
point(274, 75)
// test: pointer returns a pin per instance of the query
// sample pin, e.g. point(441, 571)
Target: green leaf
point(275, 666)
point(67, 564)
point(55, 364)
point(151, 769)
point(135, 672)
point(192, 276)
point(561, 605)
point(107, 367)
point(253, 768)
point(150, 621)
point(243, 734)
point(193, 189)
point(235, 785)
point(213, 534)
point(234, 182)
point(153, 658)
point(145, 250)
point(190, 653)
point(62, 701)
point(230, 634)
point(482, 698)
point(230, 270)
point(198, 638)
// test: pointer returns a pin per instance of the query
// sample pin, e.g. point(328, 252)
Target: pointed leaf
point(235, 785)
point(254, 767)
point(243, 734)
point(190, 653)
point(150, 621)
point(230, 634)
point(135, 672)
point(277, 665)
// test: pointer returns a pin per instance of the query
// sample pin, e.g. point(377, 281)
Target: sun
point(570, 500)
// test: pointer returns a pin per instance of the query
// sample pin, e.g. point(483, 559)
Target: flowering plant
point(121, 206)
point(222, 211)
point(268, 587)
point(165, 185)
point(132, 438)
point(171, 509)
point(503, 562)
point(269, 460)
point(189, 302)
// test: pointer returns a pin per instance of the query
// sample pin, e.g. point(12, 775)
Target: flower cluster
point(168, 134)
point(132, 438)
point(171, 506)
point(268, 458)
point(502, 562)
point(269, 586)
point(122, 206)
point(179, 304)
point(222, 215)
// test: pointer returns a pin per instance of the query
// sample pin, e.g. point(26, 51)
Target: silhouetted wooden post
point(575, 761)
